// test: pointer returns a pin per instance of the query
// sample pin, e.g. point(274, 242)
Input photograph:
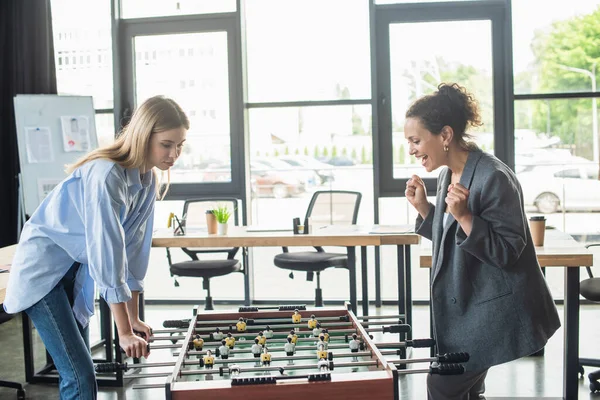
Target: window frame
point(499, 14)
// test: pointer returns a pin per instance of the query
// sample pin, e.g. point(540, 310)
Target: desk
point(349, 236)
point(559, 250)
point(6, 256)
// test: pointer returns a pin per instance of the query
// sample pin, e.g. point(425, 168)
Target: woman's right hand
point(133, 345)
point(416, 194)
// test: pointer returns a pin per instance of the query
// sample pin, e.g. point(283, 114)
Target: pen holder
point(296, 226)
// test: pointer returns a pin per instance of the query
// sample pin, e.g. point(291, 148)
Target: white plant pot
point(222, 229)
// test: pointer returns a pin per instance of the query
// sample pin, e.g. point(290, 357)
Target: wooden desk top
point(6, 256)
point(559, 250)
point(349, 235)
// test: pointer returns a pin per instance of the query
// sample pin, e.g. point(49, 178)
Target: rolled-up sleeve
point(105, 239)
point(138, 253)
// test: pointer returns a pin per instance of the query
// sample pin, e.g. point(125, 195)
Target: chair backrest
point(334, 207)
point(194, 210)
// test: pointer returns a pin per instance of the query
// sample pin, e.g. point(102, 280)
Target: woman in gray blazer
point(488, 295)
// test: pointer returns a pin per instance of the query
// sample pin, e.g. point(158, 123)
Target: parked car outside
point(308, 178)
point(265, 181)
point(552, 188)
point(323, 171)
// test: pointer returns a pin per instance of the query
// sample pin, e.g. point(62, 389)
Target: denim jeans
point(66, 340)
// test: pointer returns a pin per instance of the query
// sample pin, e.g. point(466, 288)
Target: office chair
point(328, 207)
point(194, 211)
point(4, 317)
point(590, 290)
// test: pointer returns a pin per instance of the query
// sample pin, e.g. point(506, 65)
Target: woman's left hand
point(457, 198)
point(143, 328)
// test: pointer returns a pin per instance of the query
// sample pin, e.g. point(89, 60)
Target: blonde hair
point(130, 148)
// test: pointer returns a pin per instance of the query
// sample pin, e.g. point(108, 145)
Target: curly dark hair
point(451, 105)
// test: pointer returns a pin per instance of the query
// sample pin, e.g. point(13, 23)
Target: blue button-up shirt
point(100, 216)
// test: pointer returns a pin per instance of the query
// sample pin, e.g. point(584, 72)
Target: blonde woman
point(95, 227)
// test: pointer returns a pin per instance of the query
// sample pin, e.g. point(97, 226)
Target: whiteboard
point(44, 148)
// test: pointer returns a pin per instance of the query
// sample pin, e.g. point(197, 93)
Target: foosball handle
point(447, 369)
point(176, 323)
point(110, 367)
point(291, 307)
point(453, 357)
point(417, 343)
point(402, 328)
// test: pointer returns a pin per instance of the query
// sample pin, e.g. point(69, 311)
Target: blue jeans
point(66, 340)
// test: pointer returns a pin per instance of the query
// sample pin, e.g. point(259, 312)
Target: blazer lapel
point(465, 179)
point(438, 222)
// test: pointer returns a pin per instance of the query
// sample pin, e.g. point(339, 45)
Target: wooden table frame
point(559, 250)
point(379, 383)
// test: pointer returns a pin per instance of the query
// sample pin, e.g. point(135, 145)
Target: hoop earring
point(446, 148)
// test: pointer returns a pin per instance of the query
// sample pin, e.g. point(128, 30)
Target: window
point(315, 54)
point(555, 52)
point(73, 37)
point(160, 8)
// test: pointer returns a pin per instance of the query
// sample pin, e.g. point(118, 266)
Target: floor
point(528, 378)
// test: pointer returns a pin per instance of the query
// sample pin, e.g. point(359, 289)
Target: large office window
point(309, 122)
point(555, 59)
point(83, 56)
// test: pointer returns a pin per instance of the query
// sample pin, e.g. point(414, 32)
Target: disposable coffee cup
point(537, 225)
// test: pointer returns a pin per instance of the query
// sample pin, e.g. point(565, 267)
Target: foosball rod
point(400, 328)
point(448, 358)
point(271, 349)
point(184, 323)
point(262, 328)
point(414, 343)
point(250, 338)
point(237, 381)
point(210, 371)
point(442, 369)
point(112, 367)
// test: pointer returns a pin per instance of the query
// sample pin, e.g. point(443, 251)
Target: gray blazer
point(488, 295)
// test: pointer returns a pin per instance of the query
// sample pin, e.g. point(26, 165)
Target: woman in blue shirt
point(96, 227)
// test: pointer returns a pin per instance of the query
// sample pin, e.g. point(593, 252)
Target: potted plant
point(222, 215)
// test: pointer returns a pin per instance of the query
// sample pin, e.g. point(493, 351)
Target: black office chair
point(4, 317)
point(329, 207)
point(590, 290)
point(195, 214)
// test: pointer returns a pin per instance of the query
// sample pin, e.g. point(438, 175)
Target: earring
point(446, 148)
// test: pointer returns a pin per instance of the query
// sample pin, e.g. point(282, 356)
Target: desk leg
point(245, 260)
point(142, 307)
point(377, 276)
point(401, 285)
point(352, 272)
point(408, 288)
point(27, 347)
point(365, 280)
point(571, 338)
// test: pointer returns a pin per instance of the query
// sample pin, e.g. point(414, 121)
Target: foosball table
point(285, 352)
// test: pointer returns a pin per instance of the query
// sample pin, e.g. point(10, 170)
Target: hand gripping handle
point(453, 357)
point(447, 369)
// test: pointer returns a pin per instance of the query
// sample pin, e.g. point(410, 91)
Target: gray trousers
point(468, 386)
